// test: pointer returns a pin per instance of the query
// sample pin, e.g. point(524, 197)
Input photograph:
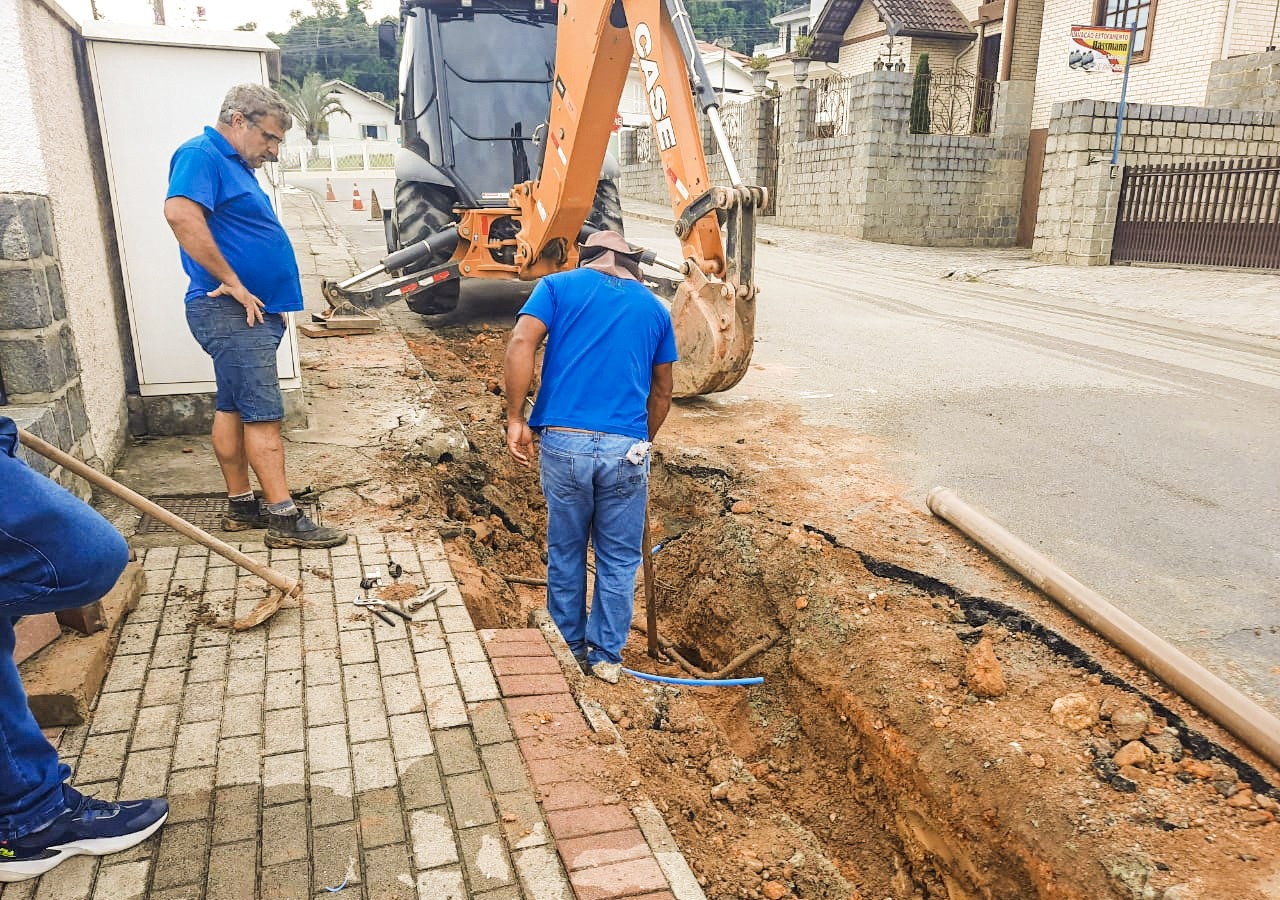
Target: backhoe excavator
point(506, 108)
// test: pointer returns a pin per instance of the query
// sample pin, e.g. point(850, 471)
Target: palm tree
point(311, 103)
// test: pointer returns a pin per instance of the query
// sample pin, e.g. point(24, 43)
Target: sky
point(271, 15)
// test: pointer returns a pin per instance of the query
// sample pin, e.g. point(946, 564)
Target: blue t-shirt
point(604, 336)
point(209, 171)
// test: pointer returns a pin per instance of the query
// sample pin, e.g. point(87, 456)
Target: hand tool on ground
point(377, 606)
point(434, 594)
point(394, 569)
point(285, 586)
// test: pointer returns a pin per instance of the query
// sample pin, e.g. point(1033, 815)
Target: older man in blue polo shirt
point(244, 281)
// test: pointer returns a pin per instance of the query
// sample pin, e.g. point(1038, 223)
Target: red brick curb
point(596, 835)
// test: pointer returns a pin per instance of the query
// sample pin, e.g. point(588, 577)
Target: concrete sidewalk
point(1236, 300)
point(326, 749)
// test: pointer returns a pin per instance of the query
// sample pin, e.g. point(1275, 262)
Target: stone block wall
point(755, 153)
point(1246, 82)
point(881, 182)
point(38, 361)
point(1080, 194)
point(72, 300)
point(641, 178)
point(877, 181)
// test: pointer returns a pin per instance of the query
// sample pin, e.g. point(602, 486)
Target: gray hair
point(253, 101)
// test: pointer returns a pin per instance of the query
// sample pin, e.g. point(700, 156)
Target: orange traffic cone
point(375, 208)
point(328, 191)
point(356, 202)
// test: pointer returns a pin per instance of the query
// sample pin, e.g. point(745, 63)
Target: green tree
point(336, 42)
point(921, 118)
point(312, 102)
point(746, 21)
point(247, 26)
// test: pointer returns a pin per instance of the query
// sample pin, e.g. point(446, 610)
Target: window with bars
point(1121, 13)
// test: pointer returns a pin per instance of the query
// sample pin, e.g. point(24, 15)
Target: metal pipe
point(356, 279)
point(671, 651)
point(1009, 31)
point(1226, 28)
point(1214, 697)
point(650, 606)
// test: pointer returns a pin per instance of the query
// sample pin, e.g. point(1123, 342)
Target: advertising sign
point(1098, 50)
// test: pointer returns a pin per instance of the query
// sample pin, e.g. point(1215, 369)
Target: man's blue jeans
point(55, 553)
point(592, 491)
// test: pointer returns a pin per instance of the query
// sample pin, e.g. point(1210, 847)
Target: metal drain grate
point(203, 511)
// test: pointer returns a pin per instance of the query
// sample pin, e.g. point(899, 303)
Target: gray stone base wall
point(170, 414)
point(1245, 82)
point(752, 140)
point(1080, 194)
point(875, 180)
point(641, 177)
point(38, 364)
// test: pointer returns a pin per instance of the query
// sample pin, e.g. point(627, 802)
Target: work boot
point(296, 530)
point(243, 515)
point(607, 671)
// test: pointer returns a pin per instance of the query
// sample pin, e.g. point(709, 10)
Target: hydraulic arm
point(538, 230)
point(714, 308)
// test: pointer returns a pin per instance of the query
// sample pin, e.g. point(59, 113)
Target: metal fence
point(339, 156)
point(1218, 213)
point(832, 99)
point(958, 102)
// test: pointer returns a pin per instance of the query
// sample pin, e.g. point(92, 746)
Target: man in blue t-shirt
point(244, 282)
point(605, 392)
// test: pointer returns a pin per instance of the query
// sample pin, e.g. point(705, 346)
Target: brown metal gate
point(1219, 213)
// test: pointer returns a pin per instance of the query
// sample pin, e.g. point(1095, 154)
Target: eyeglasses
point(271, 138)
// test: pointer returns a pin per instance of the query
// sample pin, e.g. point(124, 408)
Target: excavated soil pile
point(910, 740)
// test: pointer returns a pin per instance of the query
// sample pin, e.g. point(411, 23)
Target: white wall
point(857, 58)
point(1186, 39)
point(363, 112)
point(1252, 30)
point(22, 166)
point(47, 151)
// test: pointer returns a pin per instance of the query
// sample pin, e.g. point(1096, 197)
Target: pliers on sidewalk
point(377, 607)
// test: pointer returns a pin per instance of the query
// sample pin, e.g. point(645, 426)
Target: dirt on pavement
point(928, 727)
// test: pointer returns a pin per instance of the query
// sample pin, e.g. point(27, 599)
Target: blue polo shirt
point(209, 171)
point(604, 336)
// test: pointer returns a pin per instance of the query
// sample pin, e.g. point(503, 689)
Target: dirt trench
point(877, 760)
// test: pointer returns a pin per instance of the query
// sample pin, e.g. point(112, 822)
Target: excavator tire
point(422, 210)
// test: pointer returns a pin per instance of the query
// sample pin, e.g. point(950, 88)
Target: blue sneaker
point(88, 825)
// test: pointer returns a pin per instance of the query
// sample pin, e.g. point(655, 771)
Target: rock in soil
point(1075, 711)
point(1134, 753)
point(982, 671)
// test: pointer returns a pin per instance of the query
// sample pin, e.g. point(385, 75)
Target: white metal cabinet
point(156, 88)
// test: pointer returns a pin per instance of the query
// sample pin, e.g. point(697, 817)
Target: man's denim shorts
point(244, 358)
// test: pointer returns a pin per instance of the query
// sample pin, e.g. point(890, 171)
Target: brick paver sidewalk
point(327, 748)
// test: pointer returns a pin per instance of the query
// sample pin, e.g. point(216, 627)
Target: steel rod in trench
point(650, 609)
point(1220, 701)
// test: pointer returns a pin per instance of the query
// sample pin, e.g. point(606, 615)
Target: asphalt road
point(1137, 452)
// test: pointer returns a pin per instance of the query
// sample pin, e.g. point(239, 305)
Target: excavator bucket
point(714, 330)
point(715, 322)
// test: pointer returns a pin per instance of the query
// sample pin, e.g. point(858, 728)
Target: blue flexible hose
point(695, 682)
